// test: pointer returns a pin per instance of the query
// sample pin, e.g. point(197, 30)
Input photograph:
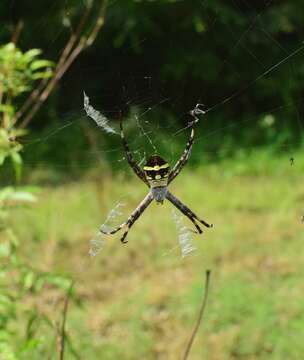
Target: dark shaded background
point(186, 51)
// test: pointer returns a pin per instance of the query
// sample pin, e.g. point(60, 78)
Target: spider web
point(146, 101)
point(143, 96)
point(98, 242)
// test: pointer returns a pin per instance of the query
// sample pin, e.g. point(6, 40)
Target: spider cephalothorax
point(157, 175)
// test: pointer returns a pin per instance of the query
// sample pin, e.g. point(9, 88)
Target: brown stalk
point(66, 51)
point(68, 56)
point(85, 41)
point(74, 37)
point(200, 316)
point(30, 100)
point(17, 32)
point(62, 338)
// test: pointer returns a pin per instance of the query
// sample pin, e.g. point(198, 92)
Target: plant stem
point(200, 316)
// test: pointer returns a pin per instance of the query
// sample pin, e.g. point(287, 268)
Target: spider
point(156, 174)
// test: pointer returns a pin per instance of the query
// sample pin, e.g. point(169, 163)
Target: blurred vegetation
point(141, 300)
point(18, 74)
point(188, 51)
point(157, 58)
point(21, 321)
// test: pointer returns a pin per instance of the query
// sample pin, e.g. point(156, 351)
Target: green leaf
point(2, 158)
point(38, 64)
point(8, 47)
point(28, 280)
point(30, 345)
point(7, 352)
point(59, 281)
point(42, 75)
point(30, 54)
point(6, 193)
point(4, 250)
point(17, 163)
point(9, 109)
point(23, 196)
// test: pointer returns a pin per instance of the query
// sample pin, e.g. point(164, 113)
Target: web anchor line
point(268, 71)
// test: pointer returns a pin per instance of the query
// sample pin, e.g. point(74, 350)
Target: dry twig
point(75, 45)
point(199, 319)
point(62, 335)
point(17, 32)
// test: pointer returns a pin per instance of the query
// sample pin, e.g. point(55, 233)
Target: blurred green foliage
point(189, 51)
point(21, 324)
point(141, 301)
point(215, 52)
point(19, 70)
point(18, 73)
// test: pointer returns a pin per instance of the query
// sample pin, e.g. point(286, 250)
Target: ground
point(140, 300)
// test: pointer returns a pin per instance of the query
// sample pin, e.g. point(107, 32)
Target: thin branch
point(98, 25)
point(62, 338)
point(200, 316)
point(36, 96)
point(74, 37)
point(30, 99)
point(84, 42)
point(17, 32)
point(65, 53)
point(67, 58)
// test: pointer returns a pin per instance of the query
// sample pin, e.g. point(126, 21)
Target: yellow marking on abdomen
point(156, 167)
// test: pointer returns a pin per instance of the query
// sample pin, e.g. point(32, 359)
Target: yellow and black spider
point(156, 174)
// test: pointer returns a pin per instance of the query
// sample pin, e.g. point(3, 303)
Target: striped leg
point(132, 218)
point(187, 212)
point(183, 159)
point(138, 171)
point(185, 156)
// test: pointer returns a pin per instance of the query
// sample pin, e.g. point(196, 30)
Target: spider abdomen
point(157, 172)
point(156, 169)
point(159, 193)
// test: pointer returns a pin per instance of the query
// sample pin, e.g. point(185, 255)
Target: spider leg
point(187, 212)
point(138, 171)
point(185, 155)
point(132, 218)
point(183, 159)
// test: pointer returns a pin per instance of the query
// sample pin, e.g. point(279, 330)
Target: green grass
point(140, 300)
